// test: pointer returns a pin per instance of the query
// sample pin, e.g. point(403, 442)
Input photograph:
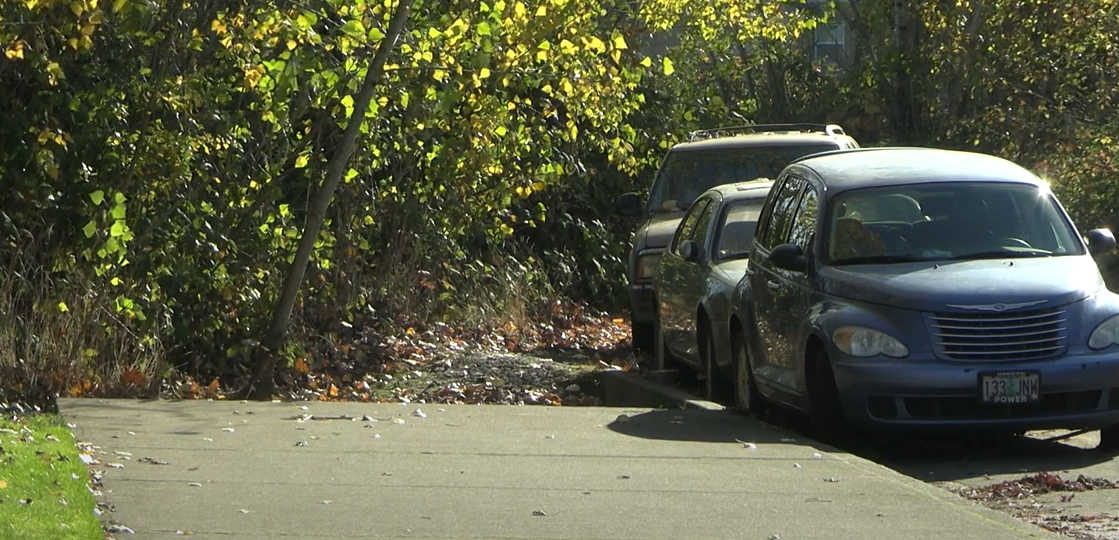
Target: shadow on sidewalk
point(698, 425)
point(959, 458)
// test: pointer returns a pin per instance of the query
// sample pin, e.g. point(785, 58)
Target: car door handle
point(749, 271)
point(773, 285)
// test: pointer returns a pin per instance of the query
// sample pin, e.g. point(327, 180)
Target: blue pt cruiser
point(922, 288)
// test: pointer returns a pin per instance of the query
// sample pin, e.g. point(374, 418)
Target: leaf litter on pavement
point(1021, 499)
point(547, 362)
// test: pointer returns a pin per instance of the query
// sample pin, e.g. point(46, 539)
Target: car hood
point(730, 272)
point(937, 286)
point(660, 229)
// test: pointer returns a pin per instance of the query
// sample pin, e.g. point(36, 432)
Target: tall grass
point(62, 338)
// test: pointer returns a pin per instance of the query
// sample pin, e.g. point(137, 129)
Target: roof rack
point(830, 129)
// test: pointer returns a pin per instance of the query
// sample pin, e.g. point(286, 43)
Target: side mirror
point(1100, 241)
point(628, 205)
point(789, 257)
point(689, 251)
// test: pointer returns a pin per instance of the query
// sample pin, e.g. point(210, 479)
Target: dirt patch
point(1043, 499)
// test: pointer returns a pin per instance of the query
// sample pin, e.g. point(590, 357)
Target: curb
point(627, 389)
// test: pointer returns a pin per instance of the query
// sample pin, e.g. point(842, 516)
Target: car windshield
point(687, 174)
point(948, 221)
point(736, 232)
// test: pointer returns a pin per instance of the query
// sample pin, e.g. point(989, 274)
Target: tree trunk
point(905, 40)
point(262, 385)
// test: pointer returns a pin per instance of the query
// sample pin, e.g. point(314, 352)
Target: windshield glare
point(736, 232)
point(687, 174)
point(949, 221)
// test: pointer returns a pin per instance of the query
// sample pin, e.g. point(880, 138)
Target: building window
point(830, 42)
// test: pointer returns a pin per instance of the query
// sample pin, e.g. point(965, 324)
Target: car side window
point(781, 213)
point(804, 223)
point(688, 224)
point(701, 228)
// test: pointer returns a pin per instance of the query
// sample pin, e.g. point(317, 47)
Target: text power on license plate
point(1010, 387)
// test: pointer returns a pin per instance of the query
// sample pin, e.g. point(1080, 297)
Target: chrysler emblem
point(1000, 307)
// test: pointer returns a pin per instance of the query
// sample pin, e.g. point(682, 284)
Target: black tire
point(825, 409)
point(642, 339)
point(747, 399)
point(662, 358)
point(711, 378)
point(1109, 440)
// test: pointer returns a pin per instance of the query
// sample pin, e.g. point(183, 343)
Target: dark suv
point(710, 158)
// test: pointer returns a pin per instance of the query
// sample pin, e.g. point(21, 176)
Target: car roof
point(891, 166)
point(753, 140)
point(757, 188)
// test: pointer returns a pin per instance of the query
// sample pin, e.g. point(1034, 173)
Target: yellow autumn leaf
point(484, 73)
point(291, 44)
point(669, 69)
point(596, 45)
point(3, 484)
point(218, 26)
point(14, 51)
point(620, 42)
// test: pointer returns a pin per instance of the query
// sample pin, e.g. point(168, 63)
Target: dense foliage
point(159, 157)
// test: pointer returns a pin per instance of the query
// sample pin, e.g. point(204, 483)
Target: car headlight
point(1105, 335)
point(646, 264)
point(865, 342)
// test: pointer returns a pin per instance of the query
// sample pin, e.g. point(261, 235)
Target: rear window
point(686, 175)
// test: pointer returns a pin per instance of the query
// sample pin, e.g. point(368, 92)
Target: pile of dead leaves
point(1038, 484)
point(545, 361)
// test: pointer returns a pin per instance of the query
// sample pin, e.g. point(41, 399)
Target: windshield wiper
point(1000, 254)
point(735, 255)
point(879, 259)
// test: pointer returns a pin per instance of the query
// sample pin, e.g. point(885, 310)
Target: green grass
point(39, 462)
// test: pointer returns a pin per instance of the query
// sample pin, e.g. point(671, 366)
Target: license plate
point(1010, 387)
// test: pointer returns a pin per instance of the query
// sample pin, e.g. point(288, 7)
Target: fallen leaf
point(194, 484)
point(796, 465)
point(301, 443)
point(243, 511)
point(3, 484)
point(229, 429)
point(538, 513)
point(120, 529)
point(419, 413)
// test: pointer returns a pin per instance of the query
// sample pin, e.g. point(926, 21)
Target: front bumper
point(641, 302)
point(1077, 392)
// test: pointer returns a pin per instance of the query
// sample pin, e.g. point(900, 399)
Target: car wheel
point(663, 357)
point(1109, 440)
point(642, 340)
point(711, 377)
point(746, 397)
point(825, 409)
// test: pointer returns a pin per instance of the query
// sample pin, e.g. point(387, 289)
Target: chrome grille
point(1005, 336)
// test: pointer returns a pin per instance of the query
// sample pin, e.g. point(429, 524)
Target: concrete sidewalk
point(249, 470)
